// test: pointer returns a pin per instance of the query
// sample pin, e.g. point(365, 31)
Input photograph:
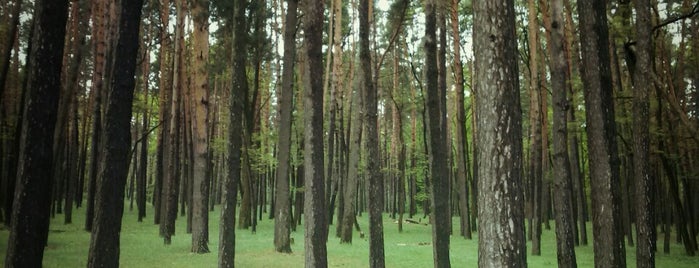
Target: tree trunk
point(370, 117)
point(535, 179)
point(609, 249)
point(501, 223)
point(199, 208)
point(226, 249)
point(565, 240)
point(315, 218)
point(100, 18)
point(282, 219)
point(439, 173)
point(7, 47)
point(30, 214)
point(109, 202)
point(352, 182)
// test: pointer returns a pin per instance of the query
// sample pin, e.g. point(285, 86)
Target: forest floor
point(142, 247)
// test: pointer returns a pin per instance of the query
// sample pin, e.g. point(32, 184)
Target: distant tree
point(599, 107)
point(315, 211)
point(282, 213)
point(226, 248)
point(32, 197)
point(109, 201)
point(501, 240)
point(643, 180)
point(199, 208)
point(100, 18)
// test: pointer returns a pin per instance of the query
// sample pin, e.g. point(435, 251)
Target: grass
point(142, 247)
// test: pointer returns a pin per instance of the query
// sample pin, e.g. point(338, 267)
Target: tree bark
point(315, 216)
point(226, 249)
point(282, 219)
point(501, 212)
point(30, 213)
point(109, 202)
point(609, 249)
point(565, 240)
point(199, 208)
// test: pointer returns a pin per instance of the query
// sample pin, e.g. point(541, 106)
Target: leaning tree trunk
point(109, 202)
point(501, 240)
point(30, 213)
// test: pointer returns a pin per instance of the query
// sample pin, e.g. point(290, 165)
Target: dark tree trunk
point(375, 179)
point(315, 216)
point(501, 209)
point(282, 219)
point(643, 181)
point(609, 249)
point(109, 202)
point(30, 213)
point(439, 172)
point(7, 47)
point(226, 249)
point(565, 240)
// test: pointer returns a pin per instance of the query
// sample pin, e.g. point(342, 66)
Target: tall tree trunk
point(200, 101)
point(226, 249)
point(104, 242)
point(643, 181)
point(375, 180)
point(282, 219)
point(565, 240)
point(143, 164)
point(461, 152)
point(439, 173)
point(609, 249)
point(30, 213)
point(100, 18)
point(165, 95)
point(315, 216)
point(535, 121)
point(501, 223)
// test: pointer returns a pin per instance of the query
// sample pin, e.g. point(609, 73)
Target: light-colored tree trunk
point(501, 240)
point(282, 213)
point(200, 125)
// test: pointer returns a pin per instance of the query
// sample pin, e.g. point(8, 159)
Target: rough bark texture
point(282, 210)
point(562, 184)
point(226, 248)
point(535, 122)
point(109, 202)
point(501, 240)
point(439, 173)
point(376, 243)
point(352, 182)
point(30, 213)
point(594, 39)
point(643, 181)
point(314, 212)
point(200, 126)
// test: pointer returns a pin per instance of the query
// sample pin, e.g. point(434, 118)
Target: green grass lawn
point(142, 247)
